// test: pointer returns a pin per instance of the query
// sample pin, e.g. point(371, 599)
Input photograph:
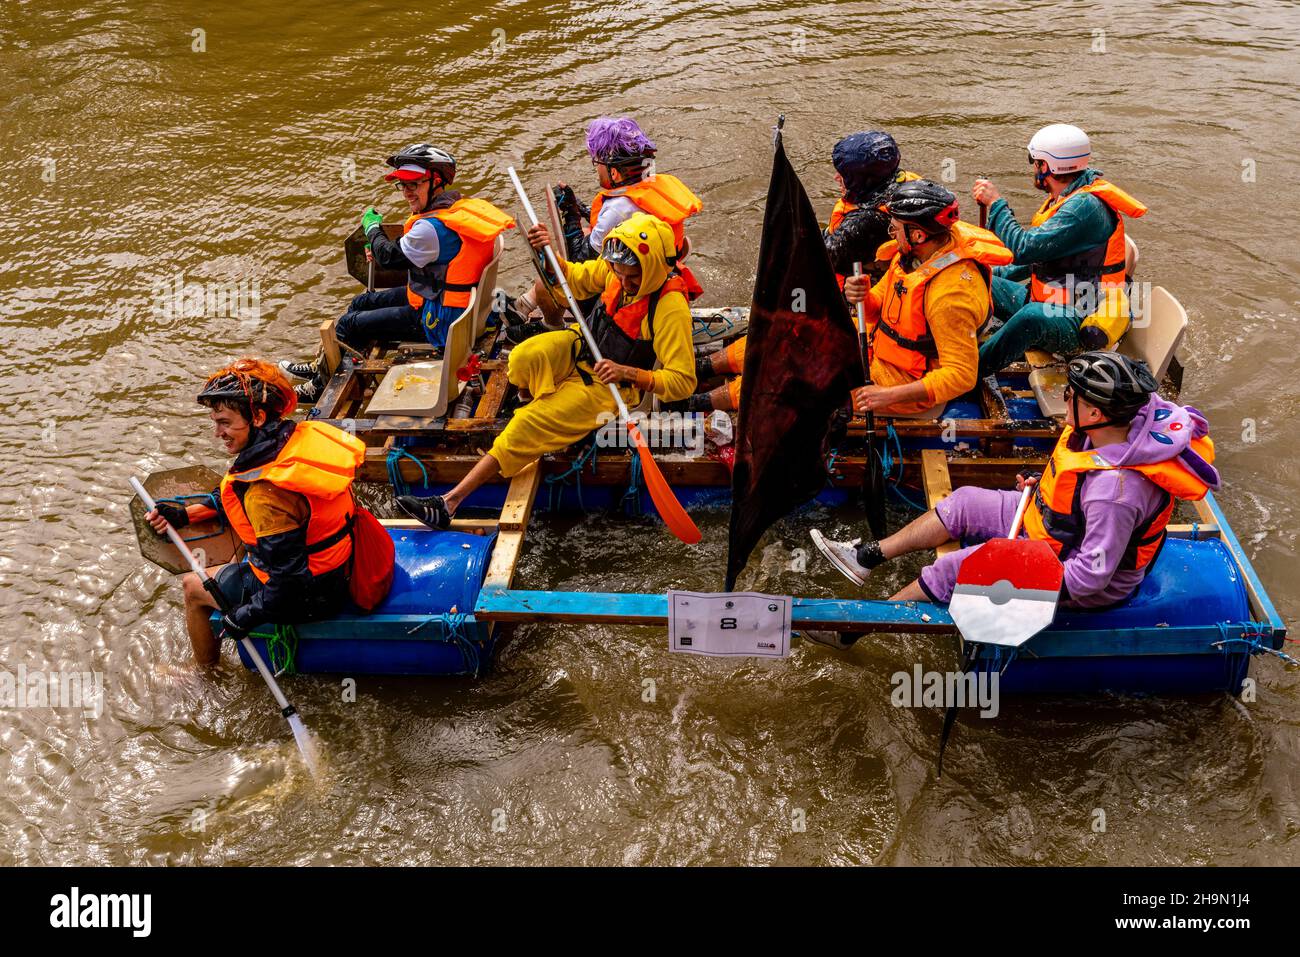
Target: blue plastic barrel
point(424, 627)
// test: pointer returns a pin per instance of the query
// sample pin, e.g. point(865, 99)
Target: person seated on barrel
point(924, 313)
point(1124, 459)
point(445, 245)
point(623, 157)
point(287, 495)
point(641, 317)
point(1073, 255)
point(866, 171)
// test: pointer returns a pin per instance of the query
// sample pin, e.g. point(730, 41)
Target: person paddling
point(641, 320)
point(446, 243)
point(623, 157)
point(866, 172)
point(1072, 253)
point(1124, 459)
point(287, 495)
point(923, 314)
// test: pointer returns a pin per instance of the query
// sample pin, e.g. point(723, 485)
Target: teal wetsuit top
point(1081, 223)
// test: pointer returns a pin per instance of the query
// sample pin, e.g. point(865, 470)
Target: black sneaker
point(431, 512)
point(299, 370)
point(522, 331)
point(309, 392)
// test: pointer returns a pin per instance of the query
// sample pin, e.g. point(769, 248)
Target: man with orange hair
point(287, 495)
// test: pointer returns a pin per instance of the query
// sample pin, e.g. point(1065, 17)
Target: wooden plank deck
point(938, 486)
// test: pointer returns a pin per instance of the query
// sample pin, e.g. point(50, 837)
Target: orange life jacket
point(1046, 280)
point(1055, 513)
point(478, 223)
point(617, 331)
point(843, 207)
point(661, 195)
point(902, 334)
point(318, 462)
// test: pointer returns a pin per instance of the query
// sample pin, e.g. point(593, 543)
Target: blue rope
point(454, 630)
point(891, 464)
point(395, 455)
point(631, 502)
point(1253, 640)
point(704, 325)
point(556, 484)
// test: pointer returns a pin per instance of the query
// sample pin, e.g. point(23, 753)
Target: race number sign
point(729, 624)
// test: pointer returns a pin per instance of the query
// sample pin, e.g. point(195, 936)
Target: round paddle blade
point(1006, 591)
point(670, 510)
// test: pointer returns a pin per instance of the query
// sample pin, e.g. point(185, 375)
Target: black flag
point(801, 361)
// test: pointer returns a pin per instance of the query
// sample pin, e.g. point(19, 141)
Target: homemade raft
point(427, 414)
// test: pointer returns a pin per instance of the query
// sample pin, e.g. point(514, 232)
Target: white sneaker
point(841, 641)
point(843, 555)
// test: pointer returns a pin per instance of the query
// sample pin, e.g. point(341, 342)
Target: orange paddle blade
point(670, 510)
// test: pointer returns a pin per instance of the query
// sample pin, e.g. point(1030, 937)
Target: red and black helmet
point(922, 203)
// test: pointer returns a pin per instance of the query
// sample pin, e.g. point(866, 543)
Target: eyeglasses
point(1069, 393)
point(404, 185)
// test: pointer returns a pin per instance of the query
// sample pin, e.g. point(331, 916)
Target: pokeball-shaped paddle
point(1007, 589)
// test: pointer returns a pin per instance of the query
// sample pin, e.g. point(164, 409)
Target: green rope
point(281, 648)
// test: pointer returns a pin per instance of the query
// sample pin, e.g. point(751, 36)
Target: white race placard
point(729, 624)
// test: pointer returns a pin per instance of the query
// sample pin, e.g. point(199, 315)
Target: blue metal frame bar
point(497, 604)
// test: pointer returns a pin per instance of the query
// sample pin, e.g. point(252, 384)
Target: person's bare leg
point(911, 592)
point(552, 312)
point(721, 399)
point(485, 470)
point(917, 535)
point(199, 606)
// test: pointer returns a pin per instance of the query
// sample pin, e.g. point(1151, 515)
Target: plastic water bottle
point(465, 405)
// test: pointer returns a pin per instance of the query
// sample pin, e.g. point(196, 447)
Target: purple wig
point(617, 139)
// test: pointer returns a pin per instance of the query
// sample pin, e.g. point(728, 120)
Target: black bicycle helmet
point(923, 203)
point(429, 157)
point(1114, 383)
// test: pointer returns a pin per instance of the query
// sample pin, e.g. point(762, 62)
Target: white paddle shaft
point(1020, 511)
point(568, 293)
point(862, 306)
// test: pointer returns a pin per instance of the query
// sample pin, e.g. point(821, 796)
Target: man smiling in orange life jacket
point(446, 243)
point(623, 157)
point(288, 495)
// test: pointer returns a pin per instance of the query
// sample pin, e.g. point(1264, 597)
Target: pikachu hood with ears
point(651, 240)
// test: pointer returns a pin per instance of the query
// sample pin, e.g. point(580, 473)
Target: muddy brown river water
point(235, 145)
